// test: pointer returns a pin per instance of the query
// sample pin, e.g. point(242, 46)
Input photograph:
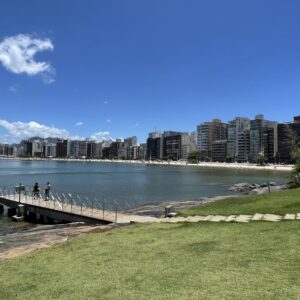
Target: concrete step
point(271, 218)
point(257, 217)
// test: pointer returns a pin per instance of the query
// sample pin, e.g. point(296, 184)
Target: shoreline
point(158, 209)
point(40, 236)
point(275, 167)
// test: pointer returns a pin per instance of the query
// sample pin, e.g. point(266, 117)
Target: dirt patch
point(41, 237)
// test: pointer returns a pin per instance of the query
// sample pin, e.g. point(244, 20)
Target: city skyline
point(117, 69)
point(31, 130)
point(238, 140)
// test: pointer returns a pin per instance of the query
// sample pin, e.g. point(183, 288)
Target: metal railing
point(76, 203)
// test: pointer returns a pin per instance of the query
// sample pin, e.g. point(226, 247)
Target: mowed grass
point(164, 261)
point(282, 202)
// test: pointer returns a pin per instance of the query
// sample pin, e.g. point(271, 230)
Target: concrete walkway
point(220, 218)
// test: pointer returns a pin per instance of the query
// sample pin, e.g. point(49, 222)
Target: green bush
point(294, 179)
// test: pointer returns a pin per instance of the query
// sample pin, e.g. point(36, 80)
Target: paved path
point(220, 218)
point(124, 218)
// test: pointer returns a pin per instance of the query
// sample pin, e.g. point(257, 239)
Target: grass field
point(164, 261)
point(282, 202)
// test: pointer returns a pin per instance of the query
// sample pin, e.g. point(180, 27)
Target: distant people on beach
point(47, 191)
point(36, 191)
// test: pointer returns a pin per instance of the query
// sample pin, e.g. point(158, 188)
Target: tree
point(260, 160)
point(293, 141)
point(197, 156)
point(294, 179)
point(229, 159)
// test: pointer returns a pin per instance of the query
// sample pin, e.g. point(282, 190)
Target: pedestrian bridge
point(66, 208)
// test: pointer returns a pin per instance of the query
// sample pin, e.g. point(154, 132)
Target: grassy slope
point(278, 203)
point(164, 261)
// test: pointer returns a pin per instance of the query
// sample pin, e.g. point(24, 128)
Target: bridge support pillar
point(21, 210)
point(1, 209)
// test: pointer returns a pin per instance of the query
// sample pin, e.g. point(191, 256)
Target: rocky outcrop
point(249, 187)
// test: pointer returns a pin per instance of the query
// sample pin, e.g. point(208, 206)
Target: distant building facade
point(207, 133)
point(288, 136)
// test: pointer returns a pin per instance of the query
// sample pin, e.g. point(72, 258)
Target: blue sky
point(124, 68)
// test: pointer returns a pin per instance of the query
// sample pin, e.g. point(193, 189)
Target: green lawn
point(164, 261)
point(282, 202)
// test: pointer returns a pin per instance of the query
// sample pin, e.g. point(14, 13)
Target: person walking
point(47, 191)
point(36, 191)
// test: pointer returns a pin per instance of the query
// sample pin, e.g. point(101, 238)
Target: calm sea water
point(130, 182)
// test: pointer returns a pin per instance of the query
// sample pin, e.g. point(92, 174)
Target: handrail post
point(62, 199)
point(70, 195)
point(103, 208)
point(80, 203)
point(92, 207)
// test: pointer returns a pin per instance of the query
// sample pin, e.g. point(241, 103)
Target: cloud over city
point(101, 136)
point(17, 131)
point(17, 55)
point(14, 132)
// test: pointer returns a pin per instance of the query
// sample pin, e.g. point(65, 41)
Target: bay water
point(128, 182)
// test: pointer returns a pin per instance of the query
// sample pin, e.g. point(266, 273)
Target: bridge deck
point(81, 210)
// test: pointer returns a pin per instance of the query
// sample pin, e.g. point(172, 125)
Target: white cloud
point(17, 131)
point(17, 55)
point(101, 136)
point(79, 123)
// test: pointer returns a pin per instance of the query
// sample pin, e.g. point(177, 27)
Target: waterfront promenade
point(70, 208)
point(72, 211)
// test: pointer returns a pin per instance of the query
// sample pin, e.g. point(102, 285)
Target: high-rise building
point(193, 141)
point(261, 133)
point(62, 148)
point(27, 148)
point(208, 132)
point(37, 148)
point(256, 137)
point(244, 146)
point(235, 127)
point(142, 151)
point(130, 141)
point(7, 150)
point(91, 149)
point(154, 146)
point(288, 136)
point(49, 149)
point(176, 145)
point(269, 144)
point(115, 149)
point(270, 140)
point(219, 150)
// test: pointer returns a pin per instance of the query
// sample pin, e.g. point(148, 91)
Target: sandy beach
point(270, 167)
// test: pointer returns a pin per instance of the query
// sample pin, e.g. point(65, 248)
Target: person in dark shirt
point(36, 191)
